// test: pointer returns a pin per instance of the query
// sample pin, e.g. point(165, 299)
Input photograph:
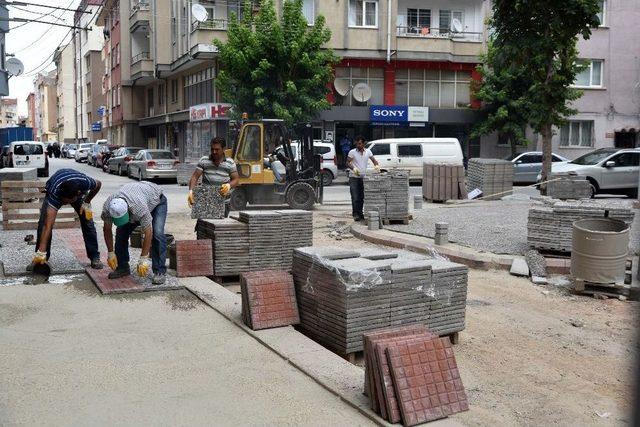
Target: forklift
point(256, 139)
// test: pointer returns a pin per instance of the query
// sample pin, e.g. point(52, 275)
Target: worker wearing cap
point(216, 170)
point(357, 161)
point(138, 203)
point(68, 187)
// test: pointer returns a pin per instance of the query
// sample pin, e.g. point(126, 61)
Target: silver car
point(82, 152)
point(119, 162)
point(152, 164)
point(527, 166)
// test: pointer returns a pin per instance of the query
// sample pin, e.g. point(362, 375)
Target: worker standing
point(138, 203)
point(68, 187)
point(216, 170)
point(357, 161)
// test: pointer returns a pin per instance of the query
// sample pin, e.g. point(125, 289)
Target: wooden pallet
point(623, 291)
point(21, 203)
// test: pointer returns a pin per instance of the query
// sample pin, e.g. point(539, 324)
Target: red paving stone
point(268, 299)
point(194, 258)
point(426, 380)
point(74, 241)
point(116, 286)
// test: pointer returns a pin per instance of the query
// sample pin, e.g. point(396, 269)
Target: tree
point(535, 53)
point(276, 67)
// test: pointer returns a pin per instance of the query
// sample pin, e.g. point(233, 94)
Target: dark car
point(119, 161)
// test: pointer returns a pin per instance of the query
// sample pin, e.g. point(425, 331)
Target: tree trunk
point(546, 133)
point(514, 146)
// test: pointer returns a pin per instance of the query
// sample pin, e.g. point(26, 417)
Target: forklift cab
point(256, 142)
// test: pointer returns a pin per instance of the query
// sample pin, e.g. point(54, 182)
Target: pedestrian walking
point(345, 147)
point(216, 170)
point(138, 203)
point(357, 161)
point(68, 187)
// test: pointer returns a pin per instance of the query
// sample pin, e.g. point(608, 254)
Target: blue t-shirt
point(52, 187)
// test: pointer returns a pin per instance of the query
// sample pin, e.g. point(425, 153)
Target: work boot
point(159, 279)
point(30, 268)
point(96, 264)
point(116, 274)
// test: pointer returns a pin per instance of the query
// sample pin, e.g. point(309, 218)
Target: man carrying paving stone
point(216, 170)
point(357, 161)
point(138, 203)
point(68, 187)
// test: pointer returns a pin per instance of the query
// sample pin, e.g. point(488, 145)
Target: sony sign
point(388, 113)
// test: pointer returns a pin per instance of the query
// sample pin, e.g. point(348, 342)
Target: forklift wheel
point(300, 195)
point(238, 199)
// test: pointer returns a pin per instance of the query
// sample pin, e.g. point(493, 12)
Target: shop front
point(206, 121)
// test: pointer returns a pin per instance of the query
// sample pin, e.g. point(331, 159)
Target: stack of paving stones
point(265, 239)
point(342, 293)
point(185, 171)
point(373, 220)
point(550, 223)
point(208, 203)
point(17, 174)
point(411, 375)
point(194, 258)
point(229, 243)
point(388, 194)
point(569, 188)
point(492, 176)
point(442, 182)
point(268, 299)
point(297, 231)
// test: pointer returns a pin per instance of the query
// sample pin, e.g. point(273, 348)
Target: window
point(250, 149)
point(374, 77)
point(418, 19)
point(321, 150)
point(626, 160)
point(531, 158)
point(447, 17)
point(150, 109)
point(363, 13)
point(174, 91)
point(308, 11)
point(199, 87)
point(602, 15)
point(591, 74)
point(413, 150)
point(577, 134)
point(161, 94)
point(381, 150)
point(433, 88)
point(555, 158)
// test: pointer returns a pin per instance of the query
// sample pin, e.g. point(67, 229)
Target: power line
point(36, 70)
point(21, 3)
point(43, 33)
point(44, 22)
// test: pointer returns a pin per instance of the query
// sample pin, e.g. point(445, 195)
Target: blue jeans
point(158, 245)
point(356, 187)
point(88, 231)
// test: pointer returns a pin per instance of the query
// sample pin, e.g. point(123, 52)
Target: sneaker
point(96, 264)
point(30, 268)
point(159, 279)
point(116, 274)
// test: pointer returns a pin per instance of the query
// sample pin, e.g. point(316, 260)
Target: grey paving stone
point(519, 267)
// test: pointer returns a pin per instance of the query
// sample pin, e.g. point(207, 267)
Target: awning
point(627, 130)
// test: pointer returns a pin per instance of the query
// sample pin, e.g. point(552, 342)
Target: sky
point(34, 43)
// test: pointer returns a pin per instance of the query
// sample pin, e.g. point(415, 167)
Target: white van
point(412, 153)
point(29, 154)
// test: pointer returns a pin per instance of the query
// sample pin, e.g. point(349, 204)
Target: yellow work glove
point(144, 264)
point(85, 210)
point(356, 171)
point(224, 189)
point(190, 198)
point(39, 258)
point(112, 260)
point(377, 168)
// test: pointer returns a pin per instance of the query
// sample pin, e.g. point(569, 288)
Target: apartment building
point(65, 85)
point(88, 71)
point(31, 114)
point(45, 106)
point(8, 112)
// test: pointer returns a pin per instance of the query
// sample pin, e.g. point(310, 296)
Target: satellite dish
point(362, 92)
point(456, 25)
point(14, 66)
point(199, 12)
point(342, 86)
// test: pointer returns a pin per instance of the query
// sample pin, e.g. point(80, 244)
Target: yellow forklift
point(255, 142)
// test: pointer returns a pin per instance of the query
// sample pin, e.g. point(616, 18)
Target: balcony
point(140, 14)
point(211, 24)
point(141, 66)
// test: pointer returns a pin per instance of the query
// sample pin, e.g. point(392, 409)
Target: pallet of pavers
point(494, 177)
point(388, 194)
point(343, 293)
point(442, 182)
point(230, 245)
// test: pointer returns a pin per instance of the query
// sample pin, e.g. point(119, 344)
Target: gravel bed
point(493, 226)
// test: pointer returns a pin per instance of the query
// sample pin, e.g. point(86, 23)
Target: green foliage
point(276, 67)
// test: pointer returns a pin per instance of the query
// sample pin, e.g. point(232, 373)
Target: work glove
point(356, 171)
point(377, 168)
point(144, 264)
point(224, 189)
point(112, 260)
point(85, 210)
point(39, 258)
point(190, 198)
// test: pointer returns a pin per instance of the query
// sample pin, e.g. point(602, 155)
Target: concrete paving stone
point(268, 299)
point(519, 267)
point(208, 203)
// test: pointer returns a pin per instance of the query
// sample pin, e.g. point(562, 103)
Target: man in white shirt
point(357, 162)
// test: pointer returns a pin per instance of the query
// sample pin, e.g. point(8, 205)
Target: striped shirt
point(52, 187)
point(216, 175)
point(141, 198)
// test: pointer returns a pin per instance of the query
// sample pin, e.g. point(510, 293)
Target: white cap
point(118, 210)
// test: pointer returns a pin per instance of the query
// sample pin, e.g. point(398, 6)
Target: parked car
point(329, 160)
point(609, 170)
point(104, 153)
point(82, 151)
point(412, 153)
point(29, 154)
point(527, 166)
point(119, 161)
point(92, 156)
point(151, 164)
point(4, 156)
point(66, 151)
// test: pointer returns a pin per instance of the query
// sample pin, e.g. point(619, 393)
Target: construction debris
point(493, 177)
point(536, 263)
point(268, 299)
point(388, 194)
